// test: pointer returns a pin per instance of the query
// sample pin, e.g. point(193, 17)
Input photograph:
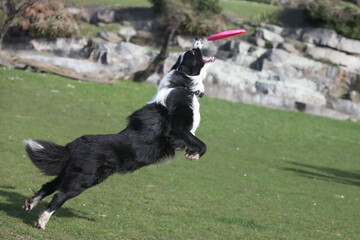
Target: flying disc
point(226, 34)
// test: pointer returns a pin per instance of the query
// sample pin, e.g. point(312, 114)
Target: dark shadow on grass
point(239, 222)
point(6, 187)
point(14, 201)
point(325, 173)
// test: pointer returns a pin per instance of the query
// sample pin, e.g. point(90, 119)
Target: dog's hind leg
point(46, 189)
point(58, 200)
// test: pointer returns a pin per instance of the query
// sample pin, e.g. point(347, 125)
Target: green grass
point(244, 9)
point(247, 10)
point(90, 30)
point(267, 174)
point(124, 3)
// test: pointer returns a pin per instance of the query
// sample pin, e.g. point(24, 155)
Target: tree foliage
point(333, 14)
point(47, 19)
point(197, 17)
point(12, 10)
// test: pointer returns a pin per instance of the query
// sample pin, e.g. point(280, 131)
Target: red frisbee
point(225, 34)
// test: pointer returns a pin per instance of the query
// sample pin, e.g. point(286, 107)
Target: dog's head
point(191, 62)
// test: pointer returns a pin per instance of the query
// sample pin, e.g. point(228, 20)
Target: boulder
point(268, 35)
point(224, 55)
point(336, 57)
point(292, 33)
point(69, 67)
point(329, 38)
point(126, 57)
point(64, 47)
point(258, 63)
point(127, 32)
point(232, 46)
point(349, 45)
point(288, 47)
point(85, 16)
point(295, 66)
point(103, 15)
point(354, 96)
point(229, 50)
point(237, 83)
point(321, 111)
point(248, 53)
point(347, 107)
point(109, 37)
point(260, 42)
point(273, 28)
point(265, 88)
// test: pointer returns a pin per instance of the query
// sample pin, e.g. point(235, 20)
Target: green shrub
point(196, 17)
point(47, 19)
point(200, 6)
point(332, 14)
point(260, 1)
point(203, 27)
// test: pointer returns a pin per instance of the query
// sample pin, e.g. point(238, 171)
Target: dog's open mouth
point(209, 60)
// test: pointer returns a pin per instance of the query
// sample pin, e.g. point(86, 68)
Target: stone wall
point(285, 68)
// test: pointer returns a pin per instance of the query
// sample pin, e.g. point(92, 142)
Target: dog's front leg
point(194, 153)
point(193, 146)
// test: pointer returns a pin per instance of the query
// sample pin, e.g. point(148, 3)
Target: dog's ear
point(176, 65)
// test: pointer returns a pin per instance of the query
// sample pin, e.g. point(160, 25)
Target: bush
point(332, 14)
point(353, 1)
point(203, 27)
point(200, 6)
point(47, 19)
point(196, 17)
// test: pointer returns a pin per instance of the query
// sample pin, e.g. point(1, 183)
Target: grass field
point(124, 3)
point(244, 9)
point(249, 10)
point(267, 174)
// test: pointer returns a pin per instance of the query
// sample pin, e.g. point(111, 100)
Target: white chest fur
point(196, 114)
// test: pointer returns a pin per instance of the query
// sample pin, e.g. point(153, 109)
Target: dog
point(164, 125)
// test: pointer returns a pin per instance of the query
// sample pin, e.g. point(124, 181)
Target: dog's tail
point(49, 157)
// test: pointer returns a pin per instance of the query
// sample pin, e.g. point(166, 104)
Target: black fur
point(51, 160)
point(191, 63)
point(153, 133)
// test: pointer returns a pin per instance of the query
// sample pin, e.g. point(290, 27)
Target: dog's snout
point(197, 43)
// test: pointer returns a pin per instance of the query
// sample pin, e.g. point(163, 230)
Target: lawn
point(268, 174)
point(123, 3)
point(245, 9)
point(249, 10)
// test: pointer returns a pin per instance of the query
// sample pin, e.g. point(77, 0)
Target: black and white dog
point(167, 123)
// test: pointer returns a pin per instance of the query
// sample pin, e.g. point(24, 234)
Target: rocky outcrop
point(68, 67)
point(63, 47)
point(329, 38)
point(101, 63)
point(322, 44)
point(307, 70)
point(103, 15)
point(340, 58)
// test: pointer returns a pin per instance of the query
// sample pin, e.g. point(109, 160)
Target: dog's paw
point(40, 226)
point(31, 203)
point(44, 219)
point(192, 157)
point(27, 205)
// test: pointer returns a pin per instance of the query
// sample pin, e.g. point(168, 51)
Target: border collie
point(165, 124)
